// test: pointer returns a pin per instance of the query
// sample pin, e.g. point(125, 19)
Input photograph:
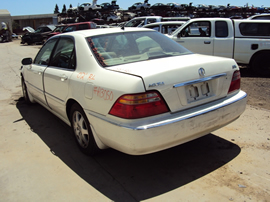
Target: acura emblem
point(201, 72)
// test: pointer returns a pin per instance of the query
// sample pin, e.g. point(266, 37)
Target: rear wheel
point(82, 130)
point(260, 64)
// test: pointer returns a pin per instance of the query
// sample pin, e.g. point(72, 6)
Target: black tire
point(260, 64)
point(82, 131)
point(25, 92)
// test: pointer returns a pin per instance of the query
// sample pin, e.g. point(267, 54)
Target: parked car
point(140, 6)
point(108, 6)
point(58, 30)
point(111, 18)
point(166, 27)
point(79, 26)
point(38, 36)
point(126, 16)
point(89, 6)
point(134, 90)
point(202, 7)
point(175, 6)
point(85, 7)
point(160, 6)
point(141, 21)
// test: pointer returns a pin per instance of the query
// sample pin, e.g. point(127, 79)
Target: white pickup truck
point(246, 41)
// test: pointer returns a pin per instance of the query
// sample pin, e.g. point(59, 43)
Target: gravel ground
point(257, 88)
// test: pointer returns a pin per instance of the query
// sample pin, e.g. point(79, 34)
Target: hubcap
point(80, 129)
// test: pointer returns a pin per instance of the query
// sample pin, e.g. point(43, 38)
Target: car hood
point(29, 29)
point(174, 76)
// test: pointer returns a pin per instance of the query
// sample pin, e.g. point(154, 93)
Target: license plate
point(198, 91)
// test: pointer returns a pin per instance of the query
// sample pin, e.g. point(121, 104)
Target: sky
point(31, 7)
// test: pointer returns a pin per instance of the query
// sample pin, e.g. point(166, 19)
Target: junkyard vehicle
point(246, 41)
point(134, 90)
point(58, 30)
point(38, 36)
point(140, 6)
point(109, 6)
point(89, 6)
point(79, 26)
point(160, 6)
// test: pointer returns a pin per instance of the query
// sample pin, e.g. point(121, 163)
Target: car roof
point(258, 16)
point(166, 23)
point(95, 32)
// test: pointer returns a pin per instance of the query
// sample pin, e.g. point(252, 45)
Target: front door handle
point(207, 42)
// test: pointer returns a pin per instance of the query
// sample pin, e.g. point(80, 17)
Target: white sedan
point(134, 90)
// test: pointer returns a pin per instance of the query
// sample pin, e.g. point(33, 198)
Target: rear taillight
point(141, 105)
point(235, 83)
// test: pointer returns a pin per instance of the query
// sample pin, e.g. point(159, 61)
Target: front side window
point(129, 47)
point(197, 29)
point(44, 54)
point(64, 56)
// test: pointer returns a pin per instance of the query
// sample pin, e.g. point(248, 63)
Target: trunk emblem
point(201, 72)
point(156, 84)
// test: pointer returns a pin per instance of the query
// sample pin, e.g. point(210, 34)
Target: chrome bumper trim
point(174, 120)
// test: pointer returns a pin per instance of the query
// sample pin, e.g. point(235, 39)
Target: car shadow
point(122, 177)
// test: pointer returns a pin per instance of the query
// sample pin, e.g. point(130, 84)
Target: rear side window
point(221, 29)
point(255, 29)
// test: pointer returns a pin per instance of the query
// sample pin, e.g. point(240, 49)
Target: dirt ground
point(257, 88)
point(40, 161)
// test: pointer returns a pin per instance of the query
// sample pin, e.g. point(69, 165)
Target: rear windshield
point(128, 47)
point(255, 29)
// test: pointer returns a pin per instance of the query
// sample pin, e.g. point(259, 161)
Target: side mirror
point(27, 61)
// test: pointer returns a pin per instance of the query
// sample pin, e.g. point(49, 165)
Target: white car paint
point(96, 88)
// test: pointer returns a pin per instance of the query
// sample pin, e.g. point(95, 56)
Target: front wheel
point(82, 131)
point(25, 92)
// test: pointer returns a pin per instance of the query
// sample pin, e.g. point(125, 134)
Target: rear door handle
point(64, 77)
point(207, 42)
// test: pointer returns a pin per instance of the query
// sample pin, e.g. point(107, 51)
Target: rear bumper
point(153, 134)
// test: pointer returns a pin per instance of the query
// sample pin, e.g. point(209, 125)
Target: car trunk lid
point(184, 81)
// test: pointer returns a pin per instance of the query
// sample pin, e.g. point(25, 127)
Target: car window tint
point(221, 29)
point(63, 55)
point(44, 54)
point(255, 29)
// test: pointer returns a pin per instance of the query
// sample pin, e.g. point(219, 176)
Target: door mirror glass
point(27, 61)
